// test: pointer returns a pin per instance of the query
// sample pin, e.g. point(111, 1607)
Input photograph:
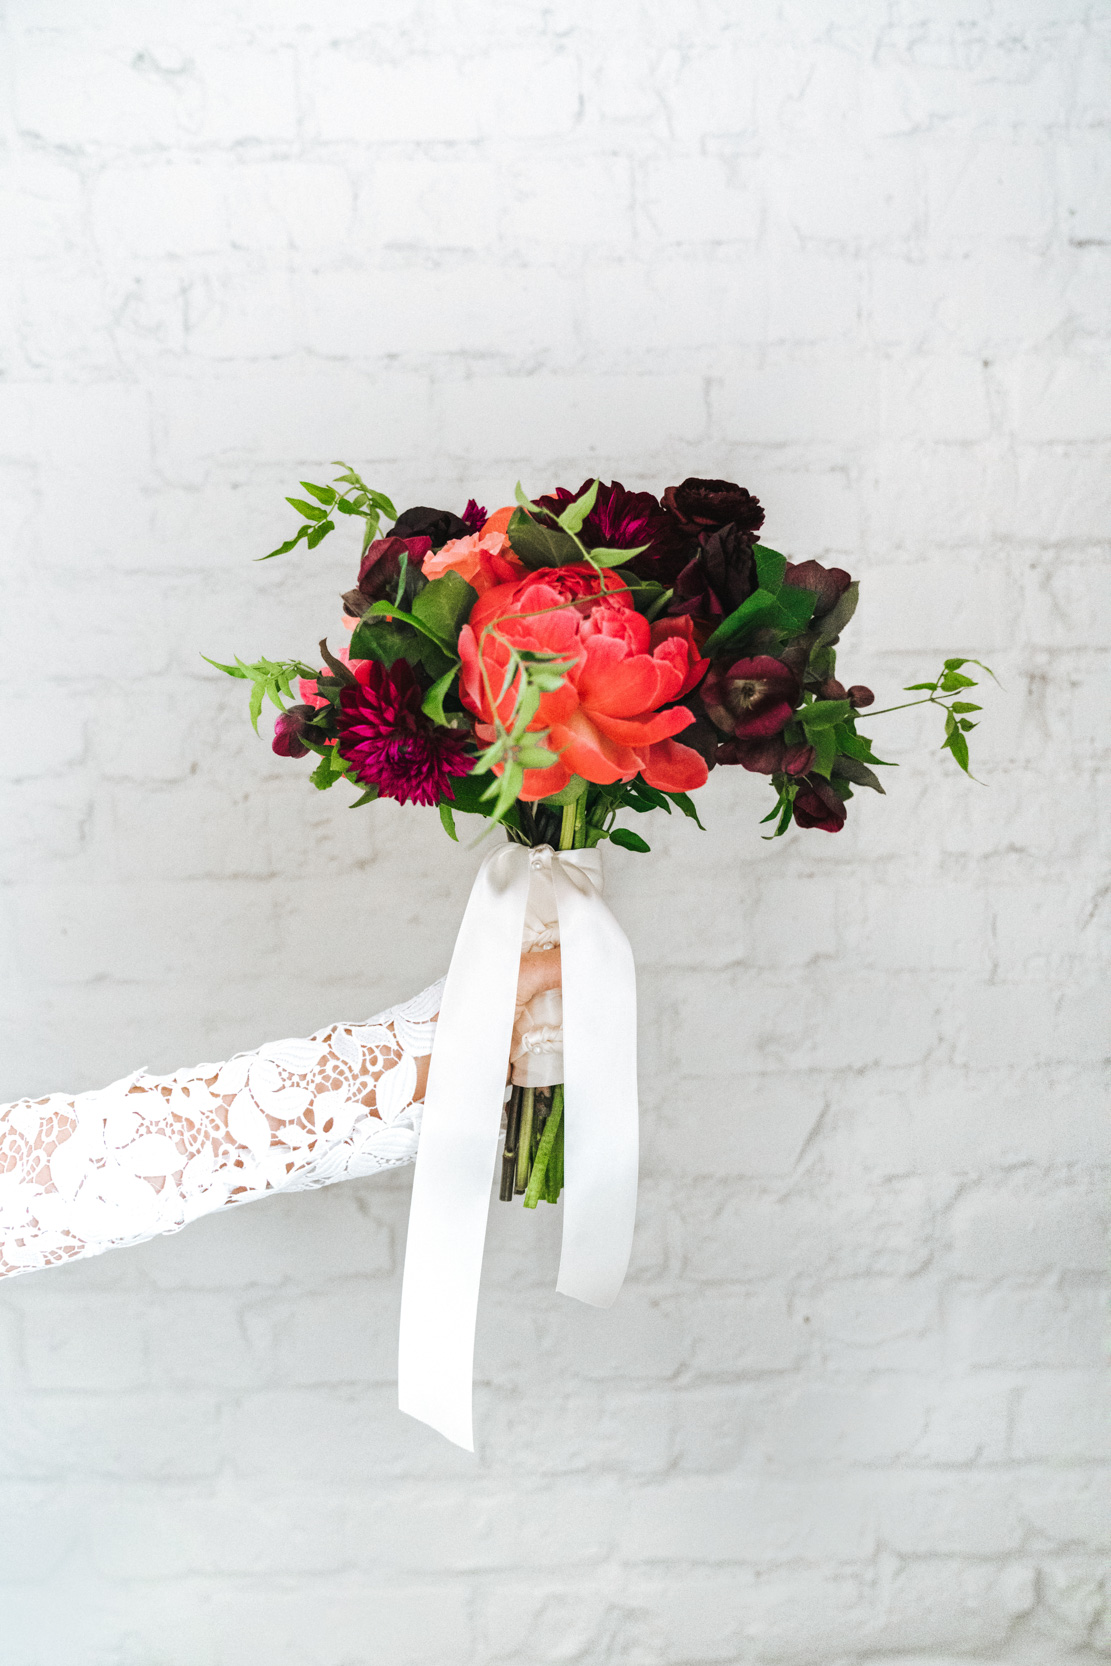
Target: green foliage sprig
point(357, 498)
point(270, 679)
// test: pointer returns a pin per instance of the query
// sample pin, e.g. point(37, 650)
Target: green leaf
point(958, 746)
point(536, 757)
point(770, 568)
point(683, 802)
point(751, 614)
point(858, 746)
point(851, 769)
point(444, 606)
point(470, 793)
point(824, 743)
point(433, 703)
point(258, 689)
point(795, 608)
point(346, 507)
point(967, 724)
point(823, 714)
point(964, 706)
point(387, 610)
point(614, 558)
point(232, 670)
point(319, 532)
point(448, 820)
point(830, 628)
point(526, 502)
point(540, 546)
point(628, 840)
point(912, 688)
point(311, 511)
point(953, 680)
point(322, 494)
point(322, 776)
point(385, 641)
point(568, 794)
point(573, 516)
point(290, 543)
point(366, 797)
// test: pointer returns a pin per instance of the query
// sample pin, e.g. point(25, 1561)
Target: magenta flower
point(291, 725)
point(474, 515)
point(391, 744)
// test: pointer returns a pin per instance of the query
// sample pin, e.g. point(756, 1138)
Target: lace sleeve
point(151, 1153)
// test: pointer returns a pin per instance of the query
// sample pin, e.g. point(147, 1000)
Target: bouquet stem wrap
point(462, 1120)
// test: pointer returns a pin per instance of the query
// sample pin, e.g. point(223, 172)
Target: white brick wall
point(852, 1405)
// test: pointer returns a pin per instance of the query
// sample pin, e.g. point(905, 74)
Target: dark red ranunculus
point(827, 583)
point(391, 743)
point(474, 515)
point(720, 577)
point(767, 755)
point(380, 571)
point(709, 503)
point(288, 730)
point(622, 520)
point(751, 698)
point(860, 695)
point(819, 805)
point(439, 525)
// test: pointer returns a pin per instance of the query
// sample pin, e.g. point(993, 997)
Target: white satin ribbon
point(462, 1120)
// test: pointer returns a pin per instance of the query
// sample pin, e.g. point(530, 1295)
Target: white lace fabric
point(149, 1154)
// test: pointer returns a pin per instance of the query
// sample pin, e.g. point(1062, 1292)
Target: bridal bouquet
point(568, 659)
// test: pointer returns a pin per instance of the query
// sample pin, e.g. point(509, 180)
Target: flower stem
point(509, 1155)
point(568, 824)
point(537, 1186)
point(524, 1139)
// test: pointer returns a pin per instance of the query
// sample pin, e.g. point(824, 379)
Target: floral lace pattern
point(150, 1153)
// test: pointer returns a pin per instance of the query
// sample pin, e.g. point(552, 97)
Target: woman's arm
point(82, 1174)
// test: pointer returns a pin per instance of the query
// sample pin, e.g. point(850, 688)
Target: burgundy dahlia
point(474, 515)
point(622, 520)
point(828, 583)
point(752, 698)
point(708, 503)
point(819, 805)
point(288, 730)
point(719, 578)
point(391, 744)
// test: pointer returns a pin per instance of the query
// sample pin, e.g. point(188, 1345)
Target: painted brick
point(851, 1403)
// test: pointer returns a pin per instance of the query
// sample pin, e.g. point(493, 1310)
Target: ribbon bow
point(462, 1120)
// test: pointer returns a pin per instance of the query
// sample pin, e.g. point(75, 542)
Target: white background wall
point(851, 1406)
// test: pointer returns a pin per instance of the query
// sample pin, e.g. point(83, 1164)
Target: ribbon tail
point(457, 1151)
point(600, 1096)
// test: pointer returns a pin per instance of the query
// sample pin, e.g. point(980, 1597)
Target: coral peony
point(390, 742)
point(605, 719)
